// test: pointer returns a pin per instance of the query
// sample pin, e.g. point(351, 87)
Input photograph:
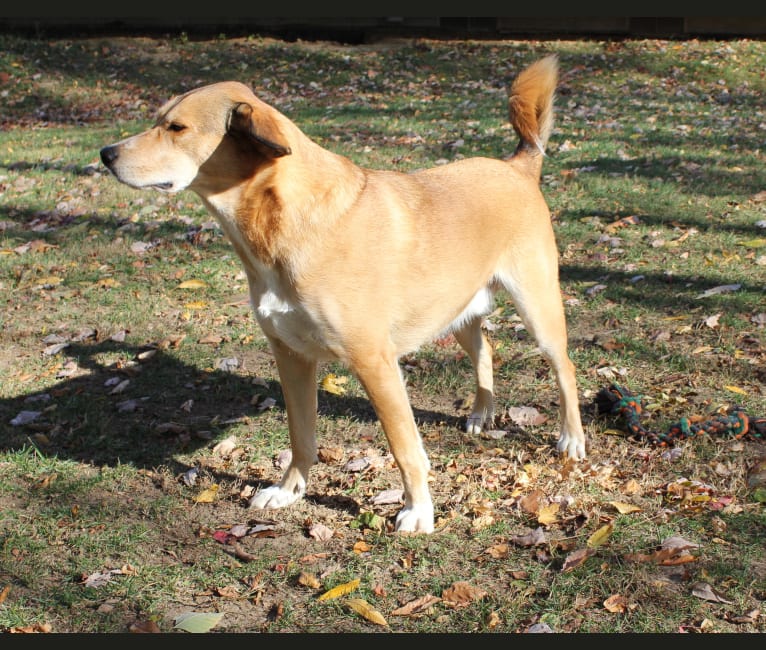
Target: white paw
point(474, 424)
point(274, 497)
point(416, 519)
point(571, 445)
point(478, 420)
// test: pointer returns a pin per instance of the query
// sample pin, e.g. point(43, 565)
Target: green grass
point(666, 135)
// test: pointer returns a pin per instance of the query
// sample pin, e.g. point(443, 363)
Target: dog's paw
point(274, 497)
point(416, 519)
point(478, 421)
point(474, 424)
point(571, 445)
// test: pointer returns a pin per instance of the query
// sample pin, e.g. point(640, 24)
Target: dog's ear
point(259, 127)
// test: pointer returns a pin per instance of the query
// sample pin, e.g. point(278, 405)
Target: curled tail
point(530, 106)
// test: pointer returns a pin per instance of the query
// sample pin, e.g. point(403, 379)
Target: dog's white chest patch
point(290, 323)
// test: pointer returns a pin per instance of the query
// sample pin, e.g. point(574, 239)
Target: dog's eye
point(174, 126)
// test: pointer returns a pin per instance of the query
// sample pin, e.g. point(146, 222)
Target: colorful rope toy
point(617, 400)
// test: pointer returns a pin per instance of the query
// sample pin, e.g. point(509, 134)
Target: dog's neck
point(277, 207)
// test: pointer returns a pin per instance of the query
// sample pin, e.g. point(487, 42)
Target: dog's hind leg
point(298, 378)
point(534, 287)
point(475, 343)
point(381, 377)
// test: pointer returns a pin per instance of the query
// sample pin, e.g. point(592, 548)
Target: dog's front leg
point(298, 378)
point(382, 380)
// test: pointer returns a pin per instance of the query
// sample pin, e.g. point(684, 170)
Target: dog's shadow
point(150, 408)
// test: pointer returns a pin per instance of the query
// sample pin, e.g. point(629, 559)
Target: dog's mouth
point(167, 186)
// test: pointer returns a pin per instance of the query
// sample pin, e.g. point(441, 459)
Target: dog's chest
point(289, 322)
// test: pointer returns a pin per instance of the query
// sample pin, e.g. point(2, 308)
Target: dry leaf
point(330, 455)
point(340, 590)
point(498, 551)
point(462, 594)
point(4, 593)
point(308, 580)
point(418, 606)
point(624, 508)
point(192, 284)
point(320, 532)
point(364, 609)
point(144, 627)
point(547, 514)
point(361, 547)
point(207, 496)
point(616, 604)
point(576, 558)
point(736, 389)
point(526, 415)
point(600, 536)
point(706, 592)
point(334, 384)
point(531, 502)
point(533, 538)
point(724, 288)
point(226, 446)
point(385, 497)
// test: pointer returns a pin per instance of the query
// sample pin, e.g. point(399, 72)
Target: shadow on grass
point(166, 409)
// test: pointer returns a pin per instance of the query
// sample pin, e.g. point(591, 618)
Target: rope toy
point(617, 400)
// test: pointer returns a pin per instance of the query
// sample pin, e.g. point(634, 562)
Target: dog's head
point(204, 140)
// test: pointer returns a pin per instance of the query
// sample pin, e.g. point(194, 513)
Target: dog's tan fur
point(361, 265)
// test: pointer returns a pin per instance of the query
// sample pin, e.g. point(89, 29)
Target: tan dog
point(363, 266)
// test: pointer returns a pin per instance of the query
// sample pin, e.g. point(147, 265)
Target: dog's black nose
point(108, 155)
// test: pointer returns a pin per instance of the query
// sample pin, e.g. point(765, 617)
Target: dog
point(363, 266)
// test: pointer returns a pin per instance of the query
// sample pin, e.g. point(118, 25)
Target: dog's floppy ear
point(260, 128)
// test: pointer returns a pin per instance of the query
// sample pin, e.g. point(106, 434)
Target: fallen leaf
point(192, 284)
point(361, 547)
point(624, 508)
point(320, 532)
point(25, 417)
point(340, 590)
point(600, 536)
point(616, 604)
point(736, 389)
point(334, 384)
point(364, 609)
point(144, 627)
point(576, 558)
point(498, 551)
point(548, 514)
point(533, 538)
point(724, 288)
point(418, 606)
point(308, 580)
point(35, 628)
point(225, 447)
point(462, 594)
point(526, 415)
point(330, 455)
point(704, 591)
point(531, 502)
point(385, 497)
point(4, 593)
point(712, 321)
point(197, 622)
point(208, 495)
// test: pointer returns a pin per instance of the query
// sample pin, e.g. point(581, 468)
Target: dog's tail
point(530, 105)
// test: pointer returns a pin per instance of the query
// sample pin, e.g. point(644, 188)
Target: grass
point(655, 180)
